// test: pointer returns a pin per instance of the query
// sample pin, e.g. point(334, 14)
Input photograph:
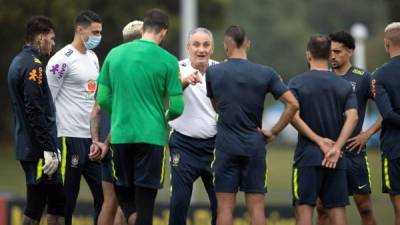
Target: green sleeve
point(176, 106)
point(173, 85)
point(104, 92)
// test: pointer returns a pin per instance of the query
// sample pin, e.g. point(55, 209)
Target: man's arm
point(324, 143)
point(104, 98)
point(384, 105)
point(350, 123)
point(56, 70)
point(176, 106)
point(291, 107)
point(361, 139)
point(33, 84)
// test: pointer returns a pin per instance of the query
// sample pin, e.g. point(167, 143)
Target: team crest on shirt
point(74, 161)
point(175, 159)
point(58, 70)
point(353, 84)
point(90, 89)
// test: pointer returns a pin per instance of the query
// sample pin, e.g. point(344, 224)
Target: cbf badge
point(175, 159)
point(74, 161)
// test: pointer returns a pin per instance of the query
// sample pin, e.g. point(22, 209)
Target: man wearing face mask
point(192, 142)
point(34, 118)
point(72, 74)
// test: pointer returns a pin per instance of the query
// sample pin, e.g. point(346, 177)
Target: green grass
point(279, 183)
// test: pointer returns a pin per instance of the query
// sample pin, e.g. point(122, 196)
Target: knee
point(365, 209)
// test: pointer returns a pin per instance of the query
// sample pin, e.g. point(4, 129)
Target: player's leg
point(182, 179)
point(364, 206)
point(322, 214)
point(55, 203)
point(226, 180)
point(395, 199)
point(110, 204)
point(149, 177)
point(362, 189)
point(123, 172)
point(306, 184)
point(92, 174)
point(391, 184)
point(120, 218)
point(304, 214)
point(254, 184)
point(35, 193)
point(334, 194)
point(71, 171)
point(207, 178)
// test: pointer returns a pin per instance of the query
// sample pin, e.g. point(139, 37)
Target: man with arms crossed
point(358, 176)
point(237, 89)
point(386, 89)
point(34, 118)
point(72, 73)
point(132, 88)
point(192, 141)
point(328, 111)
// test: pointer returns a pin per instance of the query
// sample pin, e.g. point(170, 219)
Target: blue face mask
point(92, 42)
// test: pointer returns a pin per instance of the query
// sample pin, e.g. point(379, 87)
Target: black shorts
point(139, 164)
point(34, 173)
point(244, 173)
point(390, 176)
point(358, 175)
point(311, 183)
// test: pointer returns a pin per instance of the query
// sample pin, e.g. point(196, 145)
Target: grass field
point(279, 183)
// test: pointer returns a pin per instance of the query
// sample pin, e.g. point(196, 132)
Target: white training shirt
point(198, 119)
point(72, 78)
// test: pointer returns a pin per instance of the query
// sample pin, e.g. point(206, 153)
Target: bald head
point(392, 33)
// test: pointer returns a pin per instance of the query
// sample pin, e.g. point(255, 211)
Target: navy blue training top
point(239, 88)
point(361, 84)
point(386, 89)
point(323, 97)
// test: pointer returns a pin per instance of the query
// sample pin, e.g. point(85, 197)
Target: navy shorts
point(358, 175)
point(107, 169)
point(235, 172)
point(313, 182)
point(390, 176)
point(34, 173)
point(139, 164)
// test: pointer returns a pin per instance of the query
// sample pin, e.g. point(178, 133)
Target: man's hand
point(95, 152)
point(325, 144)
point(331, 158)
point(98, 150)
point(51, 160)
point(358, 142)
point(192, 79)
point(268, 135)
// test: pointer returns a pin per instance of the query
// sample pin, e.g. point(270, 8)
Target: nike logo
point(362, 186)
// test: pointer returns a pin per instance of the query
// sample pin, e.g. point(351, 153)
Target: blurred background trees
point(279, 30)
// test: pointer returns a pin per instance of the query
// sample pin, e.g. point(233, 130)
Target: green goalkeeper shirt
point(134, 80)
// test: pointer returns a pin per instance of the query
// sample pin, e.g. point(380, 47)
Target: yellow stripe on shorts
point(163, 165)
point(63, 157)
point(266, 173)
point(39, 169)
point(386, 172)
point(369, 171)
point(295, 186)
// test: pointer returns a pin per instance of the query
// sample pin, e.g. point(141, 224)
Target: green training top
point(134, 81)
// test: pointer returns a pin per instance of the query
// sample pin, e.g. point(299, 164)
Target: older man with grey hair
point(193, 138)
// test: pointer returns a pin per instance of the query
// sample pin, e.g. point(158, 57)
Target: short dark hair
point(319, 46)
point(237, 33)
point(155, 20)
point(344, 38)
point(87, 17)
point(38, 25)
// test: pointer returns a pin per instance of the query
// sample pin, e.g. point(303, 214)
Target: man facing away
point(326, 119)
point(237, 89)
